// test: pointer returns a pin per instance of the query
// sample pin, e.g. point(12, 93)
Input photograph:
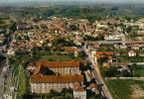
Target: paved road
point(137, 63)
point(132, 78)
point(112, 42)
point(97, 74)
point(108, 42)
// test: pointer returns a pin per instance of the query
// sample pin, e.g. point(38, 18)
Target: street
point(104, 90)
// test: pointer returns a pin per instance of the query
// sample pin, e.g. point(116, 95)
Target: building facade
point(68, 75)
point(44, 84)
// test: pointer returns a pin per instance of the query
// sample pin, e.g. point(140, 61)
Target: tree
point(74, 28)
point(68, 96)
point(126, 74)
point(113, 72)
point(132, 68)
point(105, 71)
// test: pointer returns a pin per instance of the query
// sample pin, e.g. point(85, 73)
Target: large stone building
point(43, 83)
point(65, 75)
point(60, 68)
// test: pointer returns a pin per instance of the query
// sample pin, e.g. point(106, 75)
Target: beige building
point(69, 75)
point(43, 83)
point(79, 92)
point(61, 68)
point(131, 53)
point(71, 50)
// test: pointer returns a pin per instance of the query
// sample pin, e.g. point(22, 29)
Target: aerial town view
point(71, 49)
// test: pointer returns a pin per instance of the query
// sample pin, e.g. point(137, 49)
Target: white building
point(11, 52)
point(131, 53)
point(79, 92)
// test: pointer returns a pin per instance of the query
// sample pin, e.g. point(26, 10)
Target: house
point(135, 46)
point(123, 46)
point(105, 64)
point(71, 50)
point(124, 69)
point(7, 96)
point(79, 92)
point(11, 51)
point(93, 87)
point(140, 32)
point(119, 64)
point(88, 75)
point(131, 53)
point(100, 55)
point(30, 67)
point(93, 53)
point(117, 46)
point(118, 36)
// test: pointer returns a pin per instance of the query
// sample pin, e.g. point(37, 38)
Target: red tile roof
point(93, 85)
point(131, 51)
point(70, 49)
point(56, 79)
point(134, 42)
point(78, 87)
point(63, 64)
point(104, 54)
point(59, 64)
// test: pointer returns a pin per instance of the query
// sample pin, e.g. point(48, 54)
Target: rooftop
point(78, 87)
point(104, 54)
point(70, 49)
point(56, 79)
point(131, 51)
point(57, 64)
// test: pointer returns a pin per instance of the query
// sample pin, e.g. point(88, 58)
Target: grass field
point(121, 89)
point(139, 72)
point(58, 58)
point(4, 21)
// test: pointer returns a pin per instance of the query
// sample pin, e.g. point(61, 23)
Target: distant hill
point(95, 11)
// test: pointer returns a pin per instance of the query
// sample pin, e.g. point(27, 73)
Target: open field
point(126, 89)
point(57, 58)
point(139, 71)
point(4, 22)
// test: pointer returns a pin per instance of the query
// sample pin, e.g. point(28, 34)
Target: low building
point(131, 53)
point(79, 92)
point(70, 50)
point(88, 75)
point(100, 55)
point(11, 51)
point(93, 87)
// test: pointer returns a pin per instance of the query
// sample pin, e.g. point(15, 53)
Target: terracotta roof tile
point(131, 51)
point(134, 42)
point(70, 49)
point(56, 65)
point(93, 85)
point(104, 54)
point(78, 87)
point(56, 79)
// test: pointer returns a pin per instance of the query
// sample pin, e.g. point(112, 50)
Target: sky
point(99, 1)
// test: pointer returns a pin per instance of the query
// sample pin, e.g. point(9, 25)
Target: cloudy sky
point(106, 1)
